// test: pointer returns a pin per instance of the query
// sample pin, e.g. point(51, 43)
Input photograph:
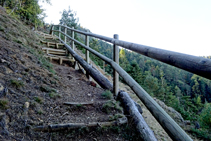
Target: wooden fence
point(197, 65)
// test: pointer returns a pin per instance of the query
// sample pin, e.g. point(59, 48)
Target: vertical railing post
point(52, 29)
point(72, 42)
point(87, 52)
point(104, 66)
point(116, 59)
point(65, 31)
point(59, 31)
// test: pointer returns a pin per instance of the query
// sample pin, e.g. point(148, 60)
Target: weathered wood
point(130, 108)
point(55, 53)
point(54, 50)
point(194, 64)
point(58, 58)
point(65, 31)
point(72, 42)
point(52, 28)
point(79, 103)
point(87, 53)
point(59, 32)
point(99, 78)
point(116, 59)
point(69, 126)
point(169, 125)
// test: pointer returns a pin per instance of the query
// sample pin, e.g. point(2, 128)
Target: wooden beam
point(115, 74)
point(79, 103)
point(69, 126)
point(130, 108)
point(194, 64)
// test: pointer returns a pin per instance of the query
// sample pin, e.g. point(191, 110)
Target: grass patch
point(111, 105)
point(38, 99)
point(40, 112)
point(107, 94)
point(4, 103)
point(47, 89)
point(115, 117)
point(54, 95)
point(1, 28)
point(17, 83)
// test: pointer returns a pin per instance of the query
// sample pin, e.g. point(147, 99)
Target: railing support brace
point(116, 59)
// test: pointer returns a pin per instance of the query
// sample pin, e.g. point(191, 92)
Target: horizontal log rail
point(197, 65)
point(169, 125)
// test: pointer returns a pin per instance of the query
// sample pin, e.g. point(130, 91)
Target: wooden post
point(72, 40)
point(52, 30)
point(59, 31)
point(87, 52)
point(116, 59)
point(104, 66)
point(65, 31)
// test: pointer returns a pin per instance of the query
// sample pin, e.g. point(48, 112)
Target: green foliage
point(68, 18)
point(111, 105)
point(4, 104)
point(40, 112)
point(115, 117)
point(17, 83)
point(38, 99)
point(107, 94)
point(54, 95)
point(205, 116)
point(202, 133)
point(27, 10)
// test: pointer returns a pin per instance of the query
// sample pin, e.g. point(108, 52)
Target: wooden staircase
point(55, 50)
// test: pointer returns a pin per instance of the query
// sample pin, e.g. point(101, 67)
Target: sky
point(178, 25)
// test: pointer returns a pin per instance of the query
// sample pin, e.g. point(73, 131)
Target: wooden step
point(57, 45)
point(55, 51)
point(60, 58)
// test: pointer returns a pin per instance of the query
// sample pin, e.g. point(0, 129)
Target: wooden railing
point(197, 65)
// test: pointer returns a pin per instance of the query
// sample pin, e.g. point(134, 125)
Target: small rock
point(89, 95)
point(1, 87)
point(26, 105)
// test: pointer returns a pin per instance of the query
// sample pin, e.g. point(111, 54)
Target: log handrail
point(169, 125)
point(197, 65)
